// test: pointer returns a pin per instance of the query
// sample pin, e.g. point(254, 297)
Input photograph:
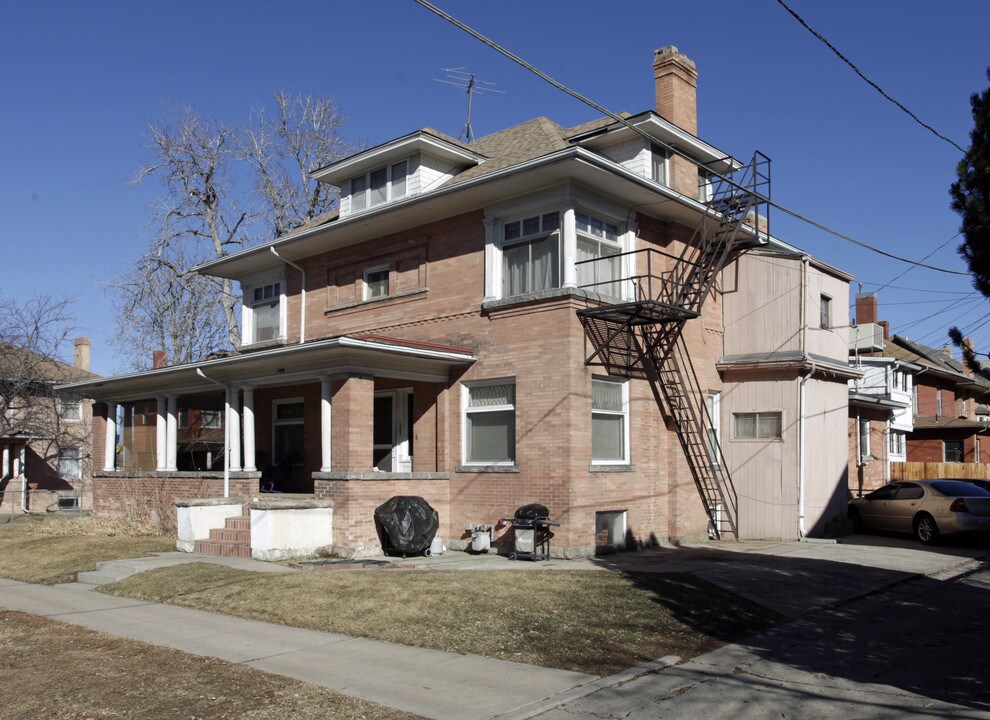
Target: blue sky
point(82, 80)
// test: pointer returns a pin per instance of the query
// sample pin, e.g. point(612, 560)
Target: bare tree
point(225, 188)
point(32, 336)
point(303, 134)
point(161, 304)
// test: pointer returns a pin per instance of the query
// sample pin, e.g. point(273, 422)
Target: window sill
point(605, 467)
point(551, 294)
point(263, 345)
point(487, 469)
point(395, 297)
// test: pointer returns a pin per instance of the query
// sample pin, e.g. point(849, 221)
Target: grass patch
point(100, 676)
point(54, 550)
point(593, 622)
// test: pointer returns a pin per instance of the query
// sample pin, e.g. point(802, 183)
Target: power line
point(913, 289)
point(968, 300)
point(898, 277)
point(872, 84)
point(587, 101)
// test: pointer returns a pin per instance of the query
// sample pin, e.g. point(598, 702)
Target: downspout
point(801, 433)
point(226, 431)
point(302, 295)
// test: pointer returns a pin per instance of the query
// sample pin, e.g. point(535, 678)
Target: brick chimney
point(159, 359)
point(866, 308)
point(80, 356)
point(676, 79)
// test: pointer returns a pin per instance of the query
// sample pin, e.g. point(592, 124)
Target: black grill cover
point(533, 511)
point(406, 523)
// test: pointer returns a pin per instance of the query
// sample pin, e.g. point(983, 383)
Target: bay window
point(531, 254)
point(598, 241)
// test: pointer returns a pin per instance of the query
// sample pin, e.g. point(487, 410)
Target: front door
point(392, 450)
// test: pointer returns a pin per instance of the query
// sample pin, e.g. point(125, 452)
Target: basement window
point(610, 529)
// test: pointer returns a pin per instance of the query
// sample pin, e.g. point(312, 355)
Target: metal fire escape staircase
point(642, 338)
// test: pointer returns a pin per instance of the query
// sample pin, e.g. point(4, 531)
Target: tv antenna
point(466, 81)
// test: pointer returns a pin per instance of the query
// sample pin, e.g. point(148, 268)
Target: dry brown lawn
point(588, 621)
point(53, 550)
point(57, 671)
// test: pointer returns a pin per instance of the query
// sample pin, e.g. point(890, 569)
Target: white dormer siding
point(633, 154)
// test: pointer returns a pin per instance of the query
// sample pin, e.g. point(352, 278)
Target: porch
point(348, 420)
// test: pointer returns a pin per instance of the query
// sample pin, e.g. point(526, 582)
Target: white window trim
point(77, 416)
point(389, 195)
point(625, 425)
point(465, 401)
point(77, 473)
point(366, 290)
point(736, 438)
point(247, 307)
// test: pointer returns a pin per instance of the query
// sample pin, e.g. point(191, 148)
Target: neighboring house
point(536, 316)
point(45, 435)
point(913, 404)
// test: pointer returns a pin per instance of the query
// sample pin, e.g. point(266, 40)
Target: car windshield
point(955, 488)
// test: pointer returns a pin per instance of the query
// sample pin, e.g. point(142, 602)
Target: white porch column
point(110, 441)
point(18, 469)
point(325, 421)
point(6, 463)
point(568, 231)
point(249, 459)
point(172, 433)
point(161, 434)
point(234, 428)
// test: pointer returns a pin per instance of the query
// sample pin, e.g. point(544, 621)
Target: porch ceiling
point(375, 356)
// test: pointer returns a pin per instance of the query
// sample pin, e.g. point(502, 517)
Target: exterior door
point(392, 451)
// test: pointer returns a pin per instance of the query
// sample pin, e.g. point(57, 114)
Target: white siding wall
point(634, 155)
point(762, 302)
point(432, 172)
point(826, 461)
point(764, 472)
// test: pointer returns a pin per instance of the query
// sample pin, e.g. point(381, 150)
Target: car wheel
point(926, 529)
point(856, 520)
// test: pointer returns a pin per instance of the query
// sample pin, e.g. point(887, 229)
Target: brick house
point(536, 316)
point(45, 435)
point(914, 404)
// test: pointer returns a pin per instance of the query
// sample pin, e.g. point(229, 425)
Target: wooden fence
point(924, 470)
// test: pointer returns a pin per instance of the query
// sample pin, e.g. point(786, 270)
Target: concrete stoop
point(232, 540)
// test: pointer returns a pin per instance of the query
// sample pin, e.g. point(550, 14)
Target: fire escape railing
point(640, 334)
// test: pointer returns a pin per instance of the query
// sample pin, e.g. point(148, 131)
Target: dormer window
point(379, 186)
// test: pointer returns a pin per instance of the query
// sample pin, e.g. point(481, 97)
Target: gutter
point(571, 153)
point(302, 303)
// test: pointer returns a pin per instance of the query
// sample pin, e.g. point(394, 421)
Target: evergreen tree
point(971, 199)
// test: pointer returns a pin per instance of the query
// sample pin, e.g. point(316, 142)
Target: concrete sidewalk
point(796, 579)
point(434, 684)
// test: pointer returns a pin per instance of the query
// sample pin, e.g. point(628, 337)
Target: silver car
point(926, 508)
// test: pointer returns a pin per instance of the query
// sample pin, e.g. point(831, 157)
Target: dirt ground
point(56, 671)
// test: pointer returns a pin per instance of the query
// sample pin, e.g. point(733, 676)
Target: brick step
point(231, 535)
point(222, 549)
point(241, 522)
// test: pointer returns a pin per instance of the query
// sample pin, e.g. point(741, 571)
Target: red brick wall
point(354, 503)
point(151, 497)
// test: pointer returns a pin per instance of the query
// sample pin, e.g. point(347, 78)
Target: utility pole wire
point(515, 58)
point(869, 82)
